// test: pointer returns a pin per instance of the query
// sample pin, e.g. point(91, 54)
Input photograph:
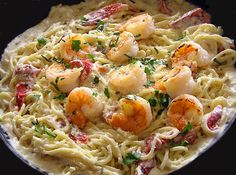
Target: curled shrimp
point(178, 81)
point(134, 114)
point(65, 79)
point(127, 79)
point(126, 47)
point(75, 47)
point(190, 54)
point(141, 26)
point(81, 106)
point(184, 109)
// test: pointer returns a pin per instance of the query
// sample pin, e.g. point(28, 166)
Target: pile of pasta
point(117, 87)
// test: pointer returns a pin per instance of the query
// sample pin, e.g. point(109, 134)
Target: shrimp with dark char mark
point(184, 109)
point(190, 54)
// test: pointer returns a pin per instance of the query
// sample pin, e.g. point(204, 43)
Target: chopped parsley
point(149, 83)
point(62, 96)
point(187, 128)
point(95, 94)
point(100, 25)
point(75, 46)
point(114, 43)
point(106, 92)
point(161, 100)
point(48, 60)
point(55, 84)
point(148, 70)
point(91, 57)
point(42, 41)
point(96, 80)
point(131, 158)
point(42, 129)
point(132, 60)
point(152, 102)
point(61, 61)
point(37, 96)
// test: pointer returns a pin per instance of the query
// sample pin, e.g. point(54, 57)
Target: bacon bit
point(158, 144)
point(191, 136)
point(193, 17)
point(20, 92)
point(26, 72)
point(82, 137)
point(146, 167)
point(94, 17)
point(86, 64)
point(215, 116)
point(164, 8)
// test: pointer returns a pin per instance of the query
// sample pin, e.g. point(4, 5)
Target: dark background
point(16, 17)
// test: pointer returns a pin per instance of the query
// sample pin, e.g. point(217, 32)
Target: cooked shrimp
point(127, 79)
point(134, 115)
point(141, 26)
point(82, 105)
point(75, 47)
point(192, 55)
point(126, 47)
point(65, 79)
point(184, 109)
point(178, 81)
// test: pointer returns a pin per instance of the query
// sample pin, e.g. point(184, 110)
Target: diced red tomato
point(87, 66)
point(215, 116)
point(93, 17)
point(20, 92)
point(193, 17)
point(164, 8)
point(81, 137)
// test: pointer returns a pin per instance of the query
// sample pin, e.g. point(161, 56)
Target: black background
point(16, 17)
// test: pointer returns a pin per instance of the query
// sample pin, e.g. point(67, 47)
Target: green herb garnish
point(100, 25)
point(96, 80)
point(36, 96)
point(131, 158)
point(187, 128)
point(106, 92)
point(62, 96)
point(42, 129)
point(75, 46)
point(152, 102)
point(91, 57)
point(149, 83)
point(42, 41)
point(95, 94)
point(148, 70)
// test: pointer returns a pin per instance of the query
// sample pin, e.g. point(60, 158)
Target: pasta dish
point(117, 87)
